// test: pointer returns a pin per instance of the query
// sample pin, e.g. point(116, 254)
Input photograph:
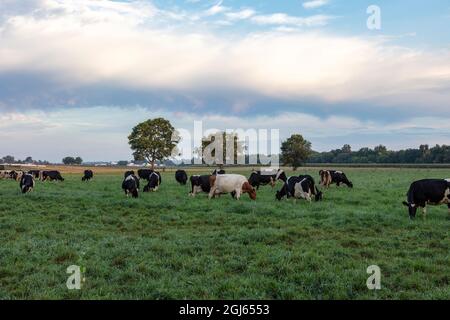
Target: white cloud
point(241, 15)
point(125, 44)
point(284, 19)
point(314, 4)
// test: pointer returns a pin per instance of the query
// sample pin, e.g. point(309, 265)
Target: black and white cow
point(333, 176)
point(181, 177)
point(218, 171)
point(27, 183)
point(200, 183)
point(257, 179)
point(318, 195)
point(145, 173)
point(427, 191)
point(130, 185)
point(154, 181)
point(88, 175)
point(35, 173)
point(14, 175)
point(296, 187)
point(52, 175)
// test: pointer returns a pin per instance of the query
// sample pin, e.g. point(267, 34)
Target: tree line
point(380, 154)
point(154, 141)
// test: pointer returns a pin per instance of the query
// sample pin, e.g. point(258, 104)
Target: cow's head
point(247, 188)
point(319, 195)
point(412, 209)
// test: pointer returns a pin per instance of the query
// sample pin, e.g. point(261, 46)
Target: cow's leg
point(212, 192)
point(424, 212)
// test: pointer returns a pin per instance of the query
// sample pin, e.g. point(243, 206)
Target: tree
point(8, 159)
point(295, 151)
point(28, 160)
point(152, 140)
point(68, 160)
point(122, 163)
point(72, 161)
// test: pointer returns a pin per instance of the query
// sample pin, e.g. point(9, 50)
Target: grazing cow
point(281, 175)
point(256, 179)
point(218, 171)
point(427, 191)
point(35, 173)
point(88, 175)
point(325, 178)
point(200, 184)
point(235, 184)
point(27, 183)
point(144, 173)
point(337, 177)
point(52, 175)
point(130, 185)
point(318, 195)
point(154, 180)
point(128, 173)
point(181, 177)
point(297, 187)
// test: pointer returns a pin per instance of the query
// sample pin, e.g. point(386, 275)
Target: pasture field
point(166, 245)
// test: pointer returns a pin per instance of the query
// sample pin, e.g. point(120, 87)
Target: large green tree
point(152, 140)
point(295, 151)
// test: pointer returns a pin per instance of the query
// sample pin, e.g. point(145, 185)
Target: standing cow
point(52, 175)
point(258, 178)
point(154, 181)
point(88, 175)
point(427, 191)
point(181, 177)
point(235, 184)
point(130, 185)
point(35, 173)
point(27, 183)
point(200, 183)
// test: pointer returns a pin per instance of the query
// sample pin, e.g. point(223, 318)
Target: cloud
point(241, 14)
point(129, 47)
point(284, 19)
point(314, 4)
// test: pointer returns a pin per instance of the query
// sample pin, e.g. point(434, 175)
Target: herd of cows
point(420, 193)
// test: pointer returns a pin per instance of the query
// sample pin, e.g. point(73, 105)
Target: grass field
point(166, 245)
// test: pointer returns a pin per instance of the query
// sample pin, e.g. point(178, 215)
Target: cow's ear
point(405, 203)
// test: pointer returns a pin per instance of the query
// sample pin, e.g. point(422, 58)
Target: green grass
point(166, 245)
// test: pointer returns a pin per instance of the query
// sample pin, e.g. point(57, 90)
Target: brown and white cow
point(235, 184)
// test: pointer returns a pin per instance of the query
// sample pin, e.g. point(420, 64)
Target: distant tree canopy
point(72, 160)
point(295, 151)
point(152, 140)
point(380, 154)
point(122, 163)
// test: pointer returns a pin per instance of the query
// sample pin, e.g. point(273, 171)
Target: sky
point(76, 76)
